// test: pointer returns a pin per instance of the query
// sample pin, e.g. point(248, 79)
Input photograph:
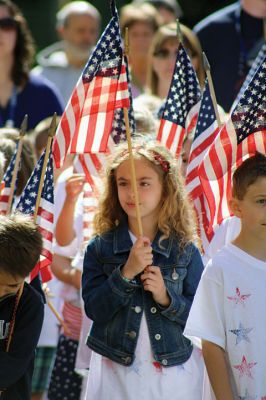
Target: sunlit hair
point(24, 49)
point(190, 42)
point(247, 174)
point(176, 215)
point(131, 14)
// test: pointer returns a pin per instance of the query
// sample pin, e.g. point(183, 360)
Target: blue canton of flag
point(248, 116)
point(182, 104)
point(87, 120)
point(6, 184)
point(256, 63)
point(45, 214)
point(118, 131)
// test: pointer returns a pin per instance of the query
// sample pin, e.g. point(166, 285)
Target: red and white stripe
point(45, 221)
point(172, 135)
point(217, 168)
point(87, 120)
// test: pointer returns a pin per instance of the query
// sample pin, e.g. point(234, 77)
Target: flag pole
point(212, 92)
point(51, 134)
point(264, 28)
point(23, 129)
point(131, 157)
point(178, 31)
point(46, 291)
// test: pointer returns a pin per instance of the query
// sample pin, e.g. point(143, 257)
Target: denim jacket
point(116, 306)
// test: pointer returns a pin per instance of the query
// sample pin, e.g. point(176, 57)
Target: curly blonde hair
point(176, 215)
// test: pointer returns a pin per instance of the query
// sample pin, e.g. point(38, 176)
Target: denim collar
point(122, 241)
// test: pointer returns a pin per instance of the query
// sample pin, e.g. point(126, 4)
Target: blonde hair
point(131, 14)
point(190, 42)
point(176, 215)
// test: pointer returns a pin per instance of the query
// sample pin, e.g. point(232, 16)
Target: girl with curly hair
point(138, 290)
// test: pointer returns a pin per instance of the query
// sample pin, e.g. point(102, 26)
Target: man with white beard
point(78, 26)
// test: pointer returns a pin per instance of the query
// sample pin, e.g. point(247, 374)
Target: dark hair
point(20, 244)
point(249, 171)
point(8, 139)
point(24, 49)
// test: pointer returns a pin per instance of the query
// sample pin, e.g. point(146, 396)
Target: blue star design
point(241, 333)
point(247, 396)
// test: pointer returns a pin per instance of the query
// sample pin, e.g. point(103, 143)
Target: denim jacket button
point(137, 309)
point(157, 336)
point(175, 275)
point(132, 334)
point(127, 360)
point(153, 310)
point(164, 362)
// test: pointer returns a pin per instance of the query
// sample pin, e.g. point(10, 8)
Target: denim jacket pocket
point(174, 277)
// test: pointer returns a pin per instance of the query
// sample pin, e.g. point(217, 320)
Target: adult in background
point(169, 10)
point(20, 92)
point(78, 26)
point(231, 39)
point(142, 21)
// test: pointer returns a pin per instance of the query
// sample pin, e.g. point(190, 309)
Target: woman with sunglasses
point(163, 53)
point(20, 92)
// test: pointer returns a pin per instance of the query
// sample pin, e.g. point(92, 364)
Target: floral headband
point(165, 165)
point(158, 158)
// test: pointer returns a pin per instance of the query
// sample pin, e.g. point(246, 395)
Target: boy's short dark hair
point(249, 171)
point(20, 244)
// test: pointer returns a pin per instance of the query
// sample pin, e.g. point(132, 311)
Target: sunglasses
point(165, 53)
point(8, 24)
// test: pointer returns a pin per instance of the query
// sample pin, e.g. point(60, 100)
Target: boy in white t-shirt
point(229, 309)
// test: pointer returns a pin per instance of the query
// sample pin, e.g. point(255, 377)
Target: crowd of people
point(144, 311)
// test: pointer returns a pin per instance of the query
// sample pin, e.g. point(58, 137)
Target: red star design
point(239, 298)
point(244, 368)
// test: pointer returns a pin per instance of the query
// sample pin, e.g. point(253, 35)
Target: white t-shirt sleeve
point(206, 318)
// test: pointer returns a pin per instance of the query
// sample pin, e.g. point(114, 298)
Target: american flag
point(118, 132)
point(182, 104)
point(240, 138)
point(45, 215)
point(87, 120)
point(256, 63)
point(206, 131)
point(93, 164)
point(90, 203)
point(6, 184)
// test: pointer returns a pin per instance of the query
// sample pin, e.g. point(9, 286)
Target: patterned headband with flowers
point(158, 158)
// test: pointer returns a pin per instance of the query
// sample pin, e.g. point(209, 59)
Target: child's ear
point(234, 205)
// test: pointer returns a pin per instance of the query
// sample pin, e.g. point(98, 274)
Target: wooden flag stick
point(54, 311)
point(51, 134)
point(178, 31)
point(212, 92)
point(131, 157)
point(133, 172)
point(23, 129)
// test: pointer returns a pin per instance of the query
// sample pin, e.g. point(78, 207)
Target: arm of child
point(64, 231)
point(26, 334)
point(214, 357)
point(62, 269)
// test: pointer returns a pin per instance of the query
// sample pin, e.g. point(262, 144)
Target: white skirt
point(145, 378)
